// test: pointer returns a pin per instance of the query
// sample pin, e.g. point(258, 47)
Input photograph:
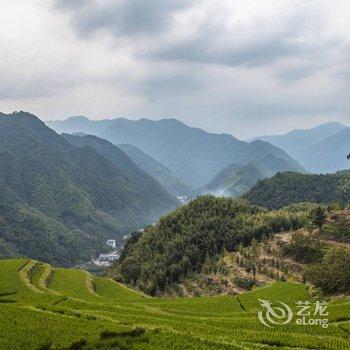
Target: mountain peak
point(78, 118)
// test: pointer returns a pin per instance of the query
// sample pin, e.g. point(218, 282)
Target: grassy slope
point(77, 311)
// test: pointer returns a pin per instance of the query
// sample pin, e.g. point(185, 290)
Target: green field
point(47, 308)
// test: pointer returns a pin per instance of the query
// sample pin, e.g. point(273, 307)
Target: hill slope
point(233, 181)
point(287, 188)
point(236, 180)
point(119, 158)
point(60, 202)
point(191, 153)
point(57, 309)
point(192, 238)
point(157, 170)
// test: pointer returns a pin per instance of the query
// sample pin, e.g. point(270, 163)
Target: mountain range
point(322, 149)
point(193, 155)
point(61, 200)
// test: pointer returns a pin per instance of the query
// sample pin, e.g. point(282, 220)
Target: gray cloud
point(121, 17)
point(205, 50)
point(246, 67)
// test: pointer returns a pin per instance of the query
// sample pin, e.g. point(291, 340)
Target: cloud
point(244, 67)
point(121, 17)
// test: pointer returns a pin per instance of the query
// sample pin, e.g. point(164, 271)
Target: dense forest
point(223, 245)
point(289, 187)
point(167, 178)
point(184, 240)
point(147, 185)
point(59, 203)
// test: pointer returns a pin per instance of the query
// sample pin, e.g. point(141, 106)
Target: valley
point(203, 242)
point(174, 175)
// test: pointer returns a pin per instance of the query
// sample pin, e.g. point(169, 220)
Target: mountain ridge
point(191, 153)
point(314, 147)
point(60, 202)
point(160, 172)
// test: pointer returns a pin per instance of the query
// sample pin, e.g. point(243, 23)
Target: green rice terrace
point(42, 307)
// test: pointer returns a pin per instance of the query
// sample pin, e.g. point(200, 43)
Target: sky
point(245, 67)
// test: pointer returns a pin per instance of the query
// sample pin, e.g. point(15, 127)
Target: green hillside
point(233, 181)
point(146, 183)
point(59, 202)
point(43, 307)
point(151, 166)
point(288, 188)
point(191, 238)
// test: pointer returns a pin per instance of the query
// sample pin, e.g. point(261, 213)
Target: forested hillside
point(289, 187)
point(233, 181)
point(58, 202)
point(160, 172)
point(146, 184)
point(192, 154)
point(193, 236)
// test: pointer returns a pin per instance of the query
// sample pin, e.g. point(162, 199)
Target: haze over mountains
point(194, 155)
point(63, 195)
point(233, 180)
point(321, 149)
point(59, 203)
point(172, 183)
point(122, 161)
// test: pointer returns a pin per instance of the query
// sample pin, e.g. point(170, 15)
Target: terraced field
point(47, 308)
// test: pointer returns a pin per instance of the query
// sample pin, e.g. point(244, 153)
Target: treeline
point(289, 187)
point(183, 241)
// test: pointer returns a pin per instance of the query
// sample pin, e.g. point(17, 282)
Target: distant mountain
point(287, 188)
point(329, 155)
point(125, 164)
point(59, 203)
point(191, 153)
point(303, 145)
point(233, 181)
point(160, 172)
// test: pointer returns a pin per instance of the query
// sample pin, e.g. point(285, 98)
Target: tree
point(319, 216)
point(333, 273)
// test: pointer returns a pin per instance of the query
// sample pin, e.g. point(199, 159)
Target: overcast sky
point(244, 67)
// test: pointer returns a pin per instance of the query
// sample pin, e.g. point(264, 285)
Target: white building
point(111, 243)
point(106, 259)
